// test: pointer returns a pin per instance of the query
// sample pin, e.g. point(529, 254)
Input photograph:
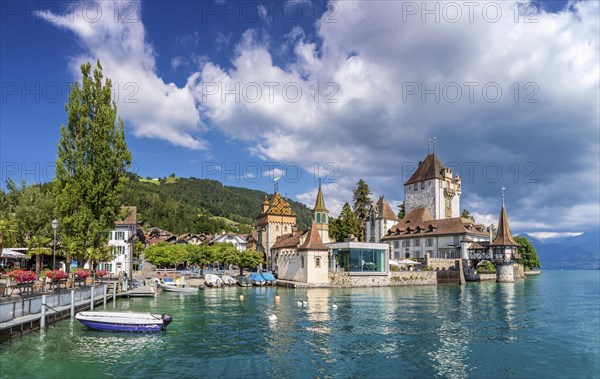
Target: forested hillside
point(199, 205)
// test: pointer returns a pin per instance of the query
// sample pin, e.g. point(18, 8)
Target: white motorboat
point(228, 280)
point(172, 287)
point(124, 321)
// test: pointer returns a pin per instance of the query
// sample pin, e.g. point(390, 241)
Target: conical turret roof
point(313, 240)
point(320, 203)
point(504, 237)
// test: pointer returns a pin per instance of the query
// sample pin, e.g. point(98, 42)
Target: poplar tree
point(362, 204)
point(90, 169)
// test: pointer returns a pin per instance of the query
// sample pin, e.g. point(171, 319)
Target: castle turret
point(504, 248)
point(434, 187)
point(321, 217)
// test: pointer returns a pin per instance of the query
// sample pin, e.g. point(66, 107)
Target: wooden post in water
point(92, 299)
point(114, 299)
point(43, 319)
point(72, 303)
point(105, 291)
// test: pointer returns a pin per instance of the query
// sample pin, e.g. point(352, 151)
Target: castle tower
point(505, 249)
point(321, 217)
point(434, 187)
point(276, 219)
point(381, 217)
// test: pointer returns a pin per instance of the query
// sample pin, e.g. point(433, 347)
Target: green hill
point(199, 205)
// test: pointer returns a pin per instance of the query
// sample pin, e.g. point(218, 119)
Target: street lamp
point(54, 226)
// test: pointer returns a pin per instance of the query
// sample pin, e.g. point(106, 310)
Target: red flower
point(21, 276)
point(82, 274)
point(101, 273)
point(56, 274)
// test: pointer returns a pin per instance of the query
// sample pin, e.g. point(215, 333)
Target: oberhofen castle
point(432, 235)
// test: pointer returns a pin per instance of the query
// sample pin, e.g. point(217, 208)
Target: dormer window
point(415, 187)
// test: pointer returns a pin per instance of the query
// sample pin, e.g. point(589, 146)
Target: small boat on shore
point(124, 321)
point(228, 280)
point(269, 278)
point(243, 281)
point(213, 280)
point(257, 279)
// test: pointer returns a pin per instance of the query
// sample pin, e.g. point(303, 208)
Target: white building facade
point(121, 244)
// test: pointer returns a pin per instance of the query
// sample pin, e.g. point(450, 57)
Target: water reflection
point(445, 331)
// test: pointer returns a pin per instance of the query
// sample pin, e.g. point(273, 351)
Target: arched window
point(318, 218)
point(324, 218)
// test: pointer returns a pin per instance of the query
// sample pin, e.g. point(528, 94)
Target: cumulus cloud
point(151, 107)
point(504, 89)
point(511, 93)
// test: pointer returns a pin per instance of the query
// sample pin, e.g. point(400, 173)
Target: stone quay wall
point(397, 278)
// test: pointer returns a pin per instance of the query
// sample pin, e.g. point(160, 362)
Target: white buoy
point(241, 297)
point(334, 306)
point(299, 303)
point(305, 303)
point(272, 318)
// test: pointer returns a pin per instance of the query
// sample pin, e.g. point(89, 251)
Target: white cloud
point(346, 96)
point(153, 108)
point(376, 53)
point(544, 235)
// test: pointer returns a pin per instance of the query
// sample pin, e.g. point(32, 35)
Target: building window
point(110, 236)
point(285, 228)
point(302, 260)
point(324, 218)
point(120, 236)
point(417, 243)
point(429, 242)
point(422, 185)
point(456, 241)
point(415, 187)
point(396, 244)
point(318, 218)
point(276, 228)
point(318, 262)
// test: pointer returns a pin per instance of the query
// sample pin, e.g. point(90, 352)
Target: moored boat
point(178, 288)
point(213, 280)
point(243, 281)
point(257, 279)
point(269, 278)
point(124, 321)
point(228, 280)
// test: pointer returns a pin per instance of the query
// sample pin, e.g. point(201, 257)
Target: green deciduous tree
point(529, 258)
point(92, 160)
point(344, 225)
point(362, 203)
point(247, 259)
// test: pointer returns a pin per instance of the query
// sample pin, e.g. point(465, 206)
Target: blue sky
point(510, 91)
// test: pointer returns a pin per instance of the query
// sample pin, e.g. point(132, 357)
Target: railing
point(38, 286)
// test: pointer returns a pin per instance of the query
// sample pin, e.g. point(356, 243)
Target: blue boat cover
point(257, 277)
point(268, 276)
point(167, 280)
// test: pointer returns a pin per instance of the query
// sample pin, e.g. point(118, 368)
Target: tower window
point(318, 218)
point(324, 218)
point(317, 262)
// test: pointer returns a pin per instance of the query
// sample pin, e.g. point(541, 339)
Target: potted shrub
point(81, 275)
point(56, 277)
point(101, 274)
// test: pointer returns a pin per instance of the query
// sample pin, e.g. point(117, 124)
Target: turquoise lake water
point(546, 326)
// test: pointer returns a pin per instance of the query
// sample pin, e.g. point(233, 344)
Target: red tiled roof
point(384, 209)
point(130, 214)
point(418, 222)
point(504, 237)
point(430, 168)
point(313, 241)
point(288, 240)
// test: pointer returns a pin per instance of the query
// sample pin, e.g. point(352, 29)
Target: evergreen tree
point(91, 165)
point(344, 225)
point(466, 214)
point(401, 211)
point(529, 258)
point(362, 204)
